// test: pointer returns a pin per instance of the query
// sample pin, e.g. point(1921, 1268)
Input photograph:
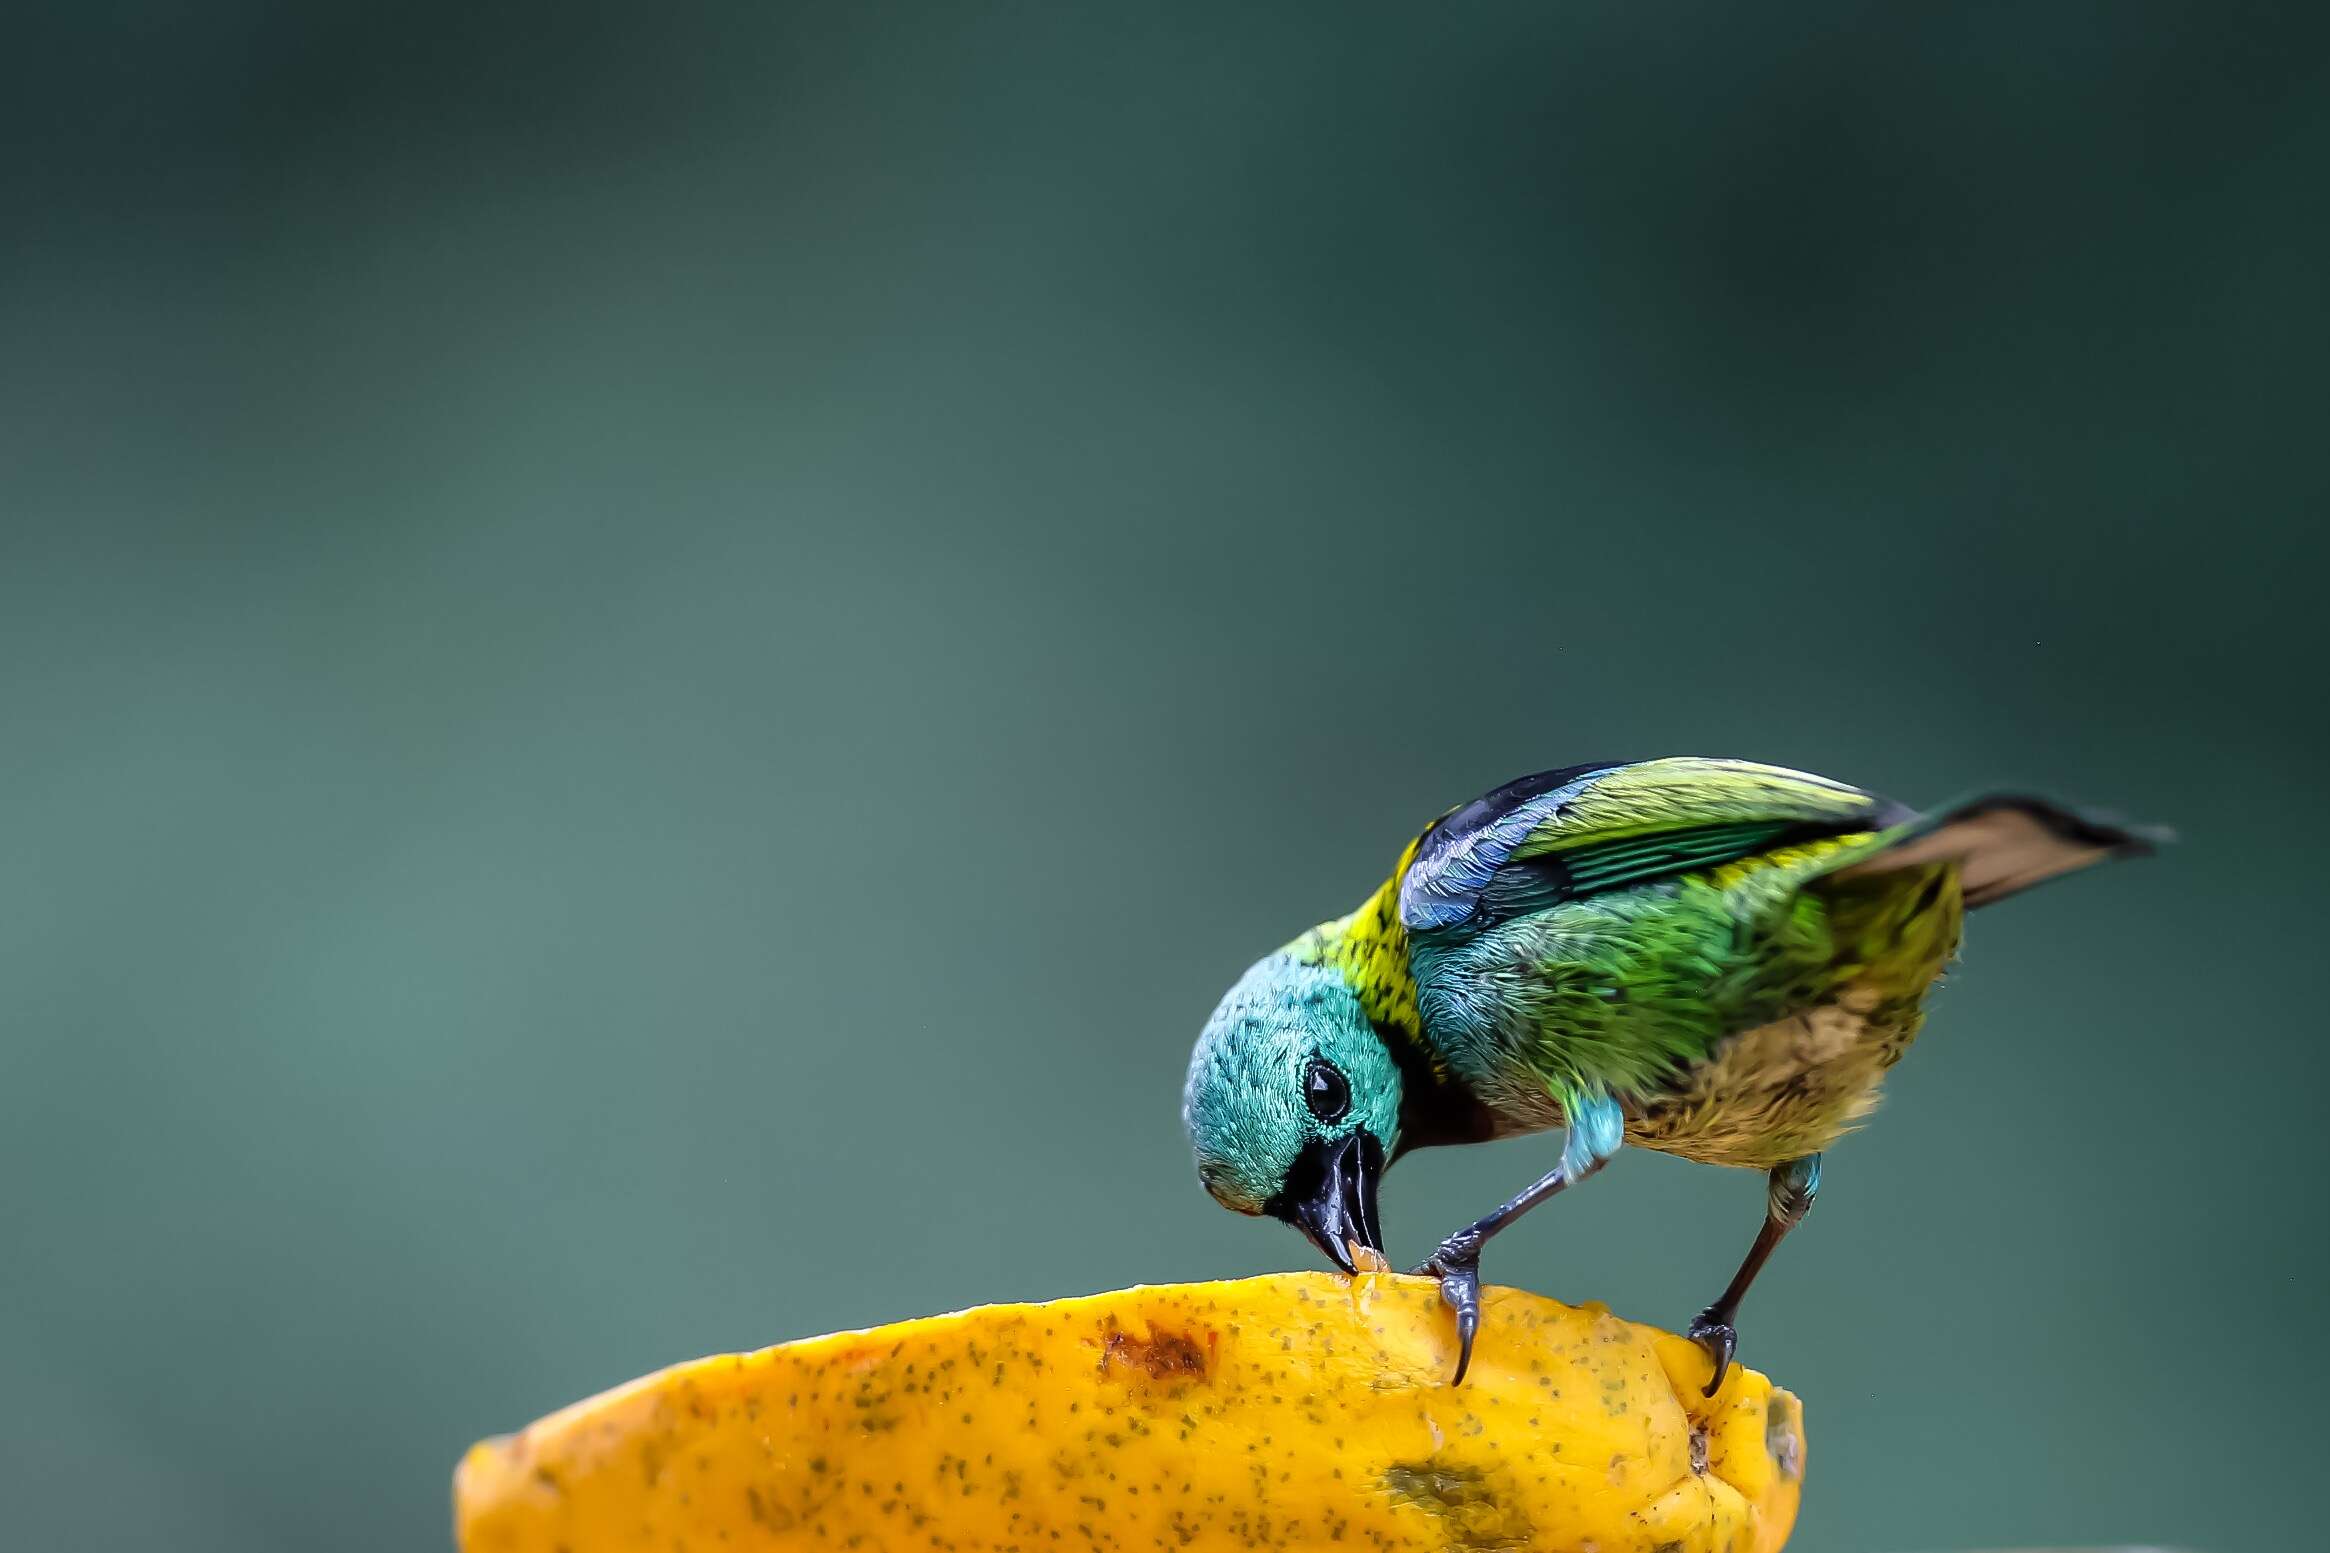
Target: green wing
point(1543, 971)
point(1590, 830)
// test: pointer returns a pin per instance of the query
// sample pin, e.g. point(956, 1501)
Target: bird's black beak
point(1330, 1195)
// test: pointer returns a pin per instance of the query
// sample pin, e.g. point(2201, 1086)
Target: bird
point(1712, 958)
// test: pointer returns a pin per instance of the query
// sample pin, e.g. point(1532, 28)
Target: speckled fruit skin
point(1298, 1411)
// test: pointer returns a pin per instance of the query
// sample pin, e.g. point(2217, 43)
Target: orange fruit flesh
point(1301, 1410)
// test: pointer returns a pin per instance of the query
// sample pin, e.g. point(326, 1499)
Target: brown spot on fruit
point(1163, 1354)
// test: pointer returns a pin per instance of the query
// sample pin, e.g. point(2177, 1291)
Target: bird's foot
point(1712, 1330)
point(1457, 1264)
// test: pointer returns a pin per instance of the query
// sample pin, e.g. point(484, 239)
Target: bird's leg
point(1789, 1199)
point(1596, 1127)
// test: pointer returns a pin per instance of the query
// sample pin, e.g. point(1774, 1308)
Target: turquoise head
point(1293, 1104)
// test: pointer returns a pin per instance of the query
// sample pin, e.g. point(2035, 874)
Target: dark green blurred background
point(653, 663)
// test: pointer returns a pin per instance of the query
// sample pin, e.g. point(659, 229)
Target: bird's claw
point(1712, 1330)
point(1457, 1264)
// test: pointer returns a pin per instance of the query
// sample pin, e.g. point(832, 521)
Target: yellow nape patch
point(1370, 948)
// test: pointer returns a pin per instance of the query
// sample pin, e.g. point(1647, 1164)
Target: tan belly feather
point(1782, 1090)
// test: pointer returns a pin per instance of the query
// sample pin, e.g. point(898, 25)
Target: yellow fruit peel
point(1297, 1411)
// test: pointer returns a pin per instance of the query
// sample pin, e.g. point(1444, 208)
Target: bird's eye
point(1325, 1091)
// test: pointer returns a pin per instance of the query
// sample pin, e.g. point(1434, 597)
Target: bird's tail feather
point(2004, 843)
